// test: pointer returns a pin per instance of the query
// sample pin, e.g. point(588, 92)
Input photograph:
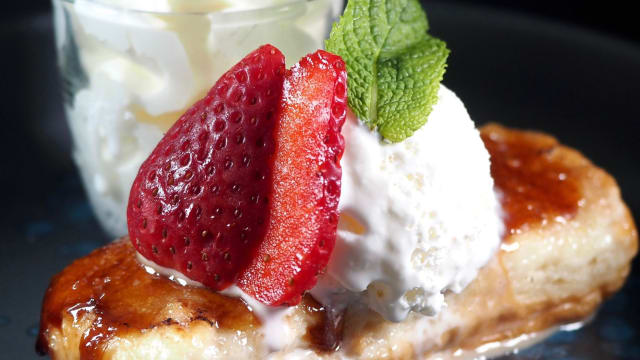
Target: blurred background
point(612, 16)
point(570, 68)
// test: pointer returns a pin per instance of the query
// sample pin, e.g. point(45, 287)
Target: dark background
point(568, 68)
point(615, 17)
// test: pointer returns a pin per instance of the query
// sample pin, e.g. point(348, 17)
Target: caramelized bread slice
point(569, 244)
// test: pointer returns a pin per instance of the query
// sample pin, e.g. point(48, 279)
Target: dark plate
point(520, 71)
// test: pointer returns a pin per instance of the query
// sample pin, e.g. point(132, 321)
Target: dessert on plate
point(346, 207)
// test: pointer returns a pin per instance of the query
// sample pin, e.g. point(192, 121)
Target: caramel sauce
point(125, 298)
point(535, 186)
point(325, 333)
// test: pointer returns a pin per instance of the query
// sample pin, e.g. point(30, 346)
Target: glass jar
point(129, 71)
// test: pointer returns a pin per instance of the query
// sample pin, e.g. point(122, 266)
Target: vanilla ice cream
point(131, 68)
point(418, 218)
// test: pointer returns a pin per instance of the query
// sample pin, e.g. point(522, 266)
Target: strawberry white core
point(418, 218)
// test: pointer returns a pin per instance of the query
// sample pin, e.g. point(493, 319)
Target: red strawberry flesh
point(199, 202)
point(303, 207)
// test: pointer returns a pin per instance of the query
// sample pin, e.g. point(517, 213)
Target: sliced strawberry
point(198, 203)
point(303, 207)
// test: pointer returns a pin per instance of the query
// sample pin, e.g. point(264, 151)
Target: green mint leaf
point(394, 67)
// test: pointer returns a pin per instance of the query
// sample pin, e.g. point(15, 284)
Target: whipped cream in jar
point(131, 68)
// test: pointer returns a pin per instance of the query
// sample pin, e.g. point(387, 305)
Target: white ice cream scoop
point(418, 217)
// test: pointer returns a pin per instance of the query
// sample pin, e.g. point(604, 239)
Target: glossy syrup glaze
point(125, 298)
point(325, 333)
point(533, 183)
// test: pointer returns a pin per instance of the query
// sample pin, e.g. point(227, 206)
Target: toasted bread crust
point(551, 270)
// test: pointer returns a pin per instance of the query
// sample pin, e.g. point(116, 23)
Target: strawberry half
point(199, 202)
point(303, 207)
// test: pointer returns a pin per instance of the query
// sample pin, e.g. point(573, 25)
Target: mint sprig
point(394, 67)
